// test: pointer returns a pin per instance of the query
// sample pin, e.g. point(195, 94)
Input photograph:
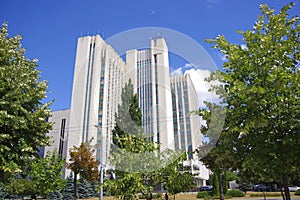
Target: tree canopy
point(261, 83)
point(23, 115)
point(83, 162)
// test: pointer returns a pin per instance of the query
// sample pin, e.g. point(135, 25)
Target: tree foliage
point(46, 174)
point(132, 151)
point(175, 177)
point(217, 151)
point(21, 187)
point(261, 83)
point(22, 113)
point(83, 162)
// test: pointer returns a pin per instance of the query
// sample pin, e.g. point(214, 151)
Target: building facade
point(149, 71)
point(59, 134)
point(97, 85)
point(99, 76)
point(187, 135)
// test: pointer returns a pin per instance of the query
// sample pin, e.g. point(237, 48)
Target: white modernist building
point(99, 76)
point(187, 135)
point(97, 84)
point(149, 71)
point(59, 134)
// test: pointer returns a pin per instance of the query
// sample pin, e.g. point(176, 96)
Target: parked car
point(293, 188)
point(206, 188)
point(246, 187)
point(263, 187)
point(259, 188)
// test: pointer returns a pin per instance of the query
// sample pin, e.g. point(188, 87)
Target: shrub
point(268, 194)
point(297, 193)
point(203, 194)
point(235, 193)
point(154, 196)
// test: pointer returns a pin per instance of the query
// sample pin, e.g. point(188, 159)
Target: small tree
point(85, 189)
point(175, 178)
point(46, 174)
point(68, 191)
point(84, 163)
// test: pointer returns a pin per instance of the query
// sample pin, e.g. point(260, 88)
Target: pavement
point(261, 198)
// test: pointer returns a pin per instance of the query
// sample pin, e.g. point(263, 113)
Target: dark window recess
point(62, 136)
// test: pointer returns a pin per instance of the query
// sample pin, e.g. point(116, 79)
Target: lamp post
point(101, 182)
point(101, 164)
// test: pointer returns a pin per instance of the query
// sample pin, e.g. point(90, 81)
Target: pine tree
point(55, 196)
point(85, 189)
point(68, 191)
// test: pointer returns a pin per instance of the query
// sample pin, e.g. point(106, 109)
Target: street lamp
point(101, 162)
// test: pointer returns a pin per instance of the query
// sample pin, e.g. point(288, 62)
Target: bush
point(297, 193)
point(268, 194)
point(203, 194)
point(154, 196)
point(235, 193)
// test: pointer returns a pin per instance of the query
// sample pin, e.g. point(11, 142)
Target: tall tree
point(133, 154)
point(217, 152)
point(261, 81)
point(22, 113)
point(83, 162)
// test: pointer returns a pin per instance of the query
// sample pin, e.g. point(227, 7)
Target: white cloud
point(201, 86)
point(223, 57)
point(177, 72)
point(243, 46)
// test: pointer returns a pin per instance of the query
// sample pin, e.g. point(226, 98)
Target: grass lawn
point(192, 196)
point(178, 197)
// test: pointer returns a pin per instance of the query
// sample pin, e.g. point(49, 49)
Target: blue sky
point(50, 28)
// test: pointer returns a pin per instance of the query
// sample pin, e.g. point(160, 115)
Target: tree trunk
point(282, 194)
point(75, 186)
point(286, 187)
point(264, 193)
point(174, 196)
point(221, 186)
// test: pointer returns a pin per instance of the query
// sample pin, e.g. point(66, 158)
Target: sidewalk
point(261, 198)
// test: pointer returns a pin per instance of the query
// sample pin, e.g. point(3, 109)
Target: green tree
point(175, 178)
point(132, 152)
point(215, 184)
point(86, 189)
point(261, 83)
point(46, 173)
point(22, 113)
point(83, 162)
point(217, 152)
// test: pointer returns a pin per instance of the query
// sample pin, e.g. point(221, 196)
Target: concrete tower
point(149, 72)
point(97, 84)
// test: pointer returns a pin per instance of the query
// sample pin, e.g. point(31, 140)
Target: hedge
point(235, 193)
